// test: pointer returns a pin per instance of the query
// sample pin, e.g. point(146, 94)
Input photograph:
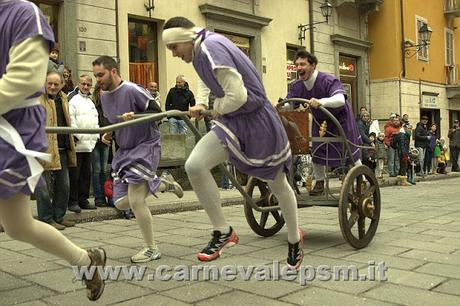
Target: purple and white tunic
point(254, 135)
point(22, 129)
point(137, 159)
point(327, 86)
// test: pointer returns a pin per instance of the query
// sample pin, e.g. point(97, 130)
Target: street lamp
point(150, 7)
point(425, 36)
point(326, 11)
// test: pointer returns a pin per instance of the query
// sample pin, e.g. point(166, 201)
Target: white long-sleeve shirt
point(232, 84)
point(26, 72)
point(335, 101)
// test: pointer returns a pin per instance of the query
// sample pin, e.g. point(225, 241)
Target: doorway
point(349, 78)
point(433, 117)
point(143, 51)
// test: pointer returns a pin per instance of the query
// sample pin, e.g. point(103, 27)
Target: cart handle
point(138, 119)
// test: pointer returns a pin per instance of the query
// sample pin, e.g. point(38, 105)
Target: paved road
point(418, 239)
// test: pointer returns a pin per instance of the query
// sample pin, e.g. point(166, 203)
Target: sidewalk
point(169, 203)
point(418, 240)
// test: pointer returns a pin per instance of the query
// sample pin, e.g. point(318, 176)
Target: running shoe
point(95, 286)
point(146, 254)
point(295, 252)
point(214, 248)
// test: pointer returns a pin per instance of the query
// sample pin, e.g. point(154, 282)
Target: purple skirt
point(14, 169)
point(257, 142)
point(135, 166)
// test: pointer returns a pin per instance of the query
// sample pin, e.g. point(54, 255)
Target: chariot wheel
point(267, 223)
point(359, 206)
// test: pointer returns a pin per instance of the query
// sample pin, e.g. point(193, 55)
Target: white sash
point(11, 136)
point(27, 103)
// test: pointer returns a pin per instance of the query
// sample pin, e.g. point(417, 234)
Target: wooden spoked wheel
point(267, 223)
point(359, 206)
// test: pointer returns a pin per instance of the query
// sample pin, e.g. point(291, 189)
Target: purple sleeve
point(334, 87)
point(140, 99)
point(30, 22)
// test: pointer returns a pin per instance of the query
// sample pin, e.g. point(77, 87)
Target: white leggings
point(136, 201)
point(208, 153)
point(18, 223)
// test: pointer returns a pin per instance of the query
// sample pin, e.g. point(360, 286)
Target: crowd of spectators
point(405, 150)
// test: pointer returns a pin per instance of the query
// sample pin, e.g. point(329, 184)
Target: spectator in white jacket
point(83, 114)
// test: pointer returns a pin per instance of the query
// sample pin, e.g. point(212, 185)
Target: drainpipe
point(310, 20)
point(400, 94)
point(117, 34)
point(403, 54)
point(369, 78)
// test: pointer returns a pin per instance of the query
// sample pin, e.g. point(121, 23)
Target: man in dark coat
point(422, 139)
point(179, 97)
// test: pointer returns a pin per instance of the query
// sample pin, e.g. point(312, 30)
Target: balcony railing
point(452, 7)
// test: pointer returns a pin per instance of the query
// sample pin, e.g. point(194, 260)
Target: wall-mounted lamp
point(150, 7)
point(410, 49)
point(326, 11)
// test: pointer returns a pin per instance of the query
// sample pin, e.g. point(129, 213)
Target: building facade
point(268, 31)
point(342, 45)
point(130, 31)
point(408, 76)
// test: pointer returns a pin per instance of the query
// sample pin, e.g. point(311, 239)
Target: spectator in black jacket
point(401, 142)
point(422, 139)
point(454, 145)
point(179, 97)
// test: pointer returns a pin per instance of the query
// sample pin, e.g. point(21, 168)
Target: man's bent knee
point(193, 166)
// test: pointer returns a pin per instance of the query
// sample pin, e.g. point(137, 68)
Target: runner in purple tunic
point(25, 42)
point(324, 89)
point(247, 132)
point(136, 161)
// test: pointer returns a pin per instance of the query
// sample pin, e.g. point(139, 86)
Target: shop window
point(349, 78)
point(143, 56)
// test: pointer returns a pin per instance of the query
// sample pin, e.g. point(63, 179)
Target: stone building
point(268, 31)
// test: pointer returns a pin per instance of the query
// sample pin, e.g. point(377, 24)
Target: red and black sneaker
point(295, 253)
point(214, 248)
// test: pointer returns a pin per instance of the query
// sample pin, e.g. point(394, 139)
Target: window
point(143, 46)
point(243, 43)
point(290, 65)
point(451, 70)
point(423, 52)
point(449, 34)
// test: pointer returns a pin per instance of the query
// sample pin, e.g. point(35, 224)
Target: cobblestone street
point(418, 239)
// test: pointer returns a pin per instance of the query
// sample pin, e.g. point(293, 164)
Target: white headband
point(179, 35)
